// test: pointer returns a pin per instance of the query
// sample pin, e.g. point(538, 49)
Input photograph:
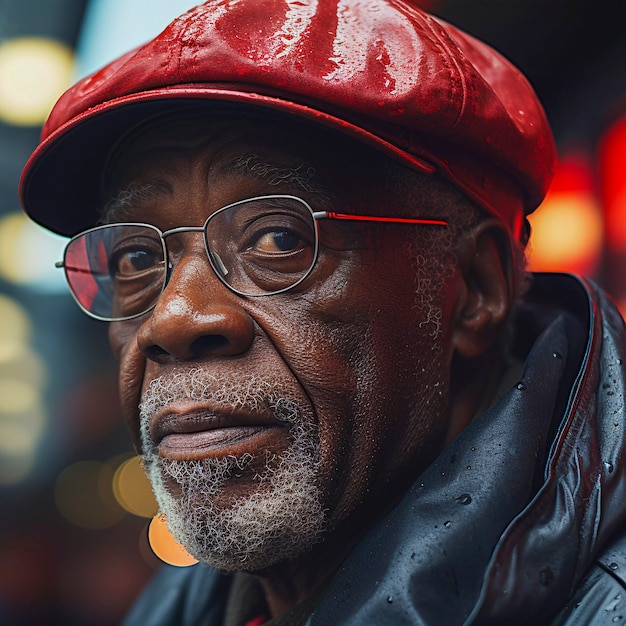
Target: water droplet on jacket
point(473, 449)
point(556, 355)
point(609, 467)
point(447, 524)
point(389, 599)
point(546, 576)
point(619, 361)
point(613, 566)
point(464, 498)
point(520, 386)
point(616, 619)
point(469, 467)
point(613, 604)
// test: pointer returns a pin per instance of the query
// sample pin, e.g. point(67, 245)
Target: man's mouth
point(201, 433)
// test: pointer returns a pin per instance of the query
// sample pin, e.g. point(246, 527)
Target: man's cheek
point(132, 366)
point(121, 335)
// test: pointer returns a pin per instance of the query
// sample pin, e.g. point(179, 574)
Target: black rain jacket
point(521, 520)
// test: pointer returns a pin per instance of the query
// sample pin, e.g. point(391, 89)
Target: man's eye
point(278, 241)
point(133, 262)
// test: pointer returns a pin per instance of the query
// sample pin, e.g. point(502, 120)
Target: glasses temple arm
point(375, 218)
point(78, 270)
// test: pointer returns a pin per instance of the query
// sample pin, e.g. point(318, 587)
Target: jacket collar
point(476, 539)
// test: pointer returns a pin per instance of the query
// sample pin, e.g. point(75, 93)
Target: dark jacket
point(520, 520)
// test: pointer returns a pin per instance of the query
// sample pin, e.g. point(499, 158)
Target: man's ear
point(486, 295)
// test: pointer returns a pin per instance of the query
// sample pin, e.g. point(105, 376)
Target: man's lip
point(234, 441)
point(202, 419)
point(199, 432)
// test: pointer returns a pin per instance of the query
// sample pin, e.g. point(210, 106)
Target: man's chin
point(231, 516)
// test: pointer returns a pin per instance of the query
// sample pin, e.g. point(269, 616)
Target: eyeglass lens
point(259, 246)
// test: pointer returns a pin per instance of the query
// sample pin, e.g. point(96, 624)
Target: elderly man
point(305, 223)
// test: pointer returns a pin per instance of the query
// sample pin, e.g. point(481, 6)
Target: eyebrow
point(118, 207)
point(302, 178)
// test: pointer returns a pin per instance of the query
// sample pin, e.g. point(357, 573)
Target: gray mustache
point(248, 393)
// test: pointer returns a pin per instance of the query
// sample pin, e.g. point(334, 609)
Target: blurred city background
point(74, 506)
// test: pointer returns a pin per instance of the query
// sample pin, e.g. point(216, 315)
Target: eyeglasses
point(256, 247)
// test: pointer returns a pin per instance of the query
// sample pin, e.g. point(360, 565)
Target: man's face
point(268, 422)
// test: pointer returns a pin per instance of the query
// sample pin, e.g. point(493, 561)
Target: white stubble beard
point(279, 519)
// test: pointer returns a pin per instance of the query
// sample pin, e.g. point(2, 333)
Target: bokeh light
point(132, 489)
point(28, 254)
point(18, 396)
point(22, 363)
point(20, 434)
point(613, 182)
point(567, 234)
point(165, 546)
point(22, 378)
point(15, 329)
point(34, 72)
point(84, 495)
point(567, 229)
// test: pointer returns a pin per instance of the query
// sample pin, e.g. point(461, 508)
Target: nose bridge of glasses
point(214, 258)
point(182, 229)
point(175, 253)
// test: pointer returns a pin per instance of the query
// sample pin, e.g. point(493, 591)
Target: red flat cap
point(381, 71)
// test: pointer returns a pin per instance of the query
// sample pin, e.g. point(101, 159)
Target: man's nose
point(195, 317)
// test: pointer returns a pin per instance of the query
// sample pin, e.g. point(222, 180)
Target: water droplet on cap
point(390, 599)
point(521, 386)
point(447, 524)
point(464, 498)
point(613, 566)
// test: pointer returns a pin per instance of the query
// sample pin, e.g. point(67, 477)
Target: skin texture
point(350, 344)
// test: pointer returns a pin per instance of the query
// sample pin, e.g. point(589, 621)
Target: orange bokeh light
point(567, 229)
point(132, 489)
point(165, 546)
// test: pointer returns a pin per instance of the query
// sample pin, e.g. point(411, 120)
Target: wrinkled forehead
point(233, 142)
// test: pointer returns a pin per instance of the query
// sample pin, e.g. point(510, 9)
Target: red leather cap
point(379, 70)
